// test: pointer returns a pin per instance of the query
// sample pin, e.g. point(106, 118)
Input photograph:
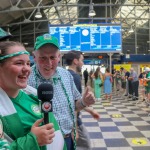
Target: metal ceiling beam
point(57, 11)
point(18, 3)
point(95, 18)
point(67, 10)
point(73, 5)
point(134, 21)
point(34, 9)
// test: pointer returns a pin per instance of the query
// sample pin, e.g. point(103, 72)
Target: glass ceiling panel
point(65, 14)
point(127, 14)
point(136, 13)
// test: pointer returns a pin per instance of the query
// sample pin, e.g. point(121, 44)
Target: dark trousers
point(130, 87)
point(86, 79)
point(69, 143)
point(135, 86)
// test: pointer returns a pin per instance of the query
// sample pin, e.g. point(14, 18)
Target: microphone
point(45, 94)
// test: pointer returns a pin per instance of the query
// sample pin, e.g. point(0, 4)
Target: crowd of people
point(126, 82)
point(20, 106)
point(144, 79)
point(129, 81)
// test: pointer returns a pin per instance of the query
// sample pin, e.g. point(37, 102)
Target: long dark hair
point(96, 73)
point(107, 70)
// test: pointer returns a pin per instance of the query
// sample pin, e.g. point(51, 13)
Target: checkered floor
point(124, 125)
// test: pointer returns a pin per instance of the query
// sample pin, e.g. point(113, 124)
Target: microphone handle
point(46, 118)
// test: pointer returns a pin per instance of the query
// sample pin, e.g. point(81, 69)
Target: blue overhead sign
point(88, 37)
point(92, 61)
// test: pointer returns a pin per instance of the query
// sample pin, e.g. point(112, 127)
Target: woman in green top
point(19, 112)
point(98, 82)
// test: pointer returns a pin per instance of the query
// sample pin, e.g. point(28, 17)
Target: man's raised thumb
point(87, 90)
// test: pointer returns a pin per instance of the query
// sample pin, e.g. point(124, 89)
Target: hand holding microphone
point(44, 133)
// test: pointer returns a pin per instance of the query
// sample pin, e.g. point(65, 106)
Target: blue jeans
point(69, 143)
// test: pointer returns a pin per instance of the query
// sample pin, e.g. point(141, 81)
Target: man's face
point(47, 59)
point(80, 63)
point(131, 70)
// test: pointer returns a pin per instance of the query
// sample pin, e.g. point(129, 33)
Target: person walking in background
point(91, 79)
point(74, 59)
point(86, 75)
point(143, 84)
point(98, 83)
point(127, 74)
point(114, 79)
point(66, 97)
point(134, 83)
point(108, 84)
point(117, 77)
point(123, 80)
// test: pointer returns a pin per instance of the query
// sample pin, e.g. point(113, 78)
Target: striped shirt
point(62, 78)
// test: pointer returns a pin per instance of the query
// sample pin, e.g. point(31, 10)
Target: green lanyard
point(72, 113)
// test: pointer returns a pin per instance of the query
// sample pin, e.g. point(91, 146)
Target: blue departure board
point(88, 37)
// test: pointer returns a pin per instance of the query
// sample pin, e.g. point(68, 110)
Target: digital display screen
point(88, 37)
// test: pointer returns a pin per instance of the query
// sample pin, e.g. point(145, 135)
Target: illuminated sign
point(88, 38)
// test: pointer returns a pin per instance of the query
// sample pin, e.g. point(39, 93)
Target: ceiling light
point(25, 43)
point(38, 14)
point(131, 30)
point(92, 11)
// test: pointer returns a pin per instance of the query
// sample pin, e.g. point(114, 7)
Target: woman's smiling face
point(15, 70)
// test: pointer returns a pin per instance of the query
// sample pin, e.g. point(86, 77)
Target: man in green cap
point(66, 98)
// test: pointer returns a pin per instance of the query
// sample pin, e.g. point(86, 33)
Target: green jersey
point(18, 119)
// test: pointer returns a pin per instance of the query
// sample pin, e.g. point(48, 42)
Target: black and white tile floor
point(123, 125)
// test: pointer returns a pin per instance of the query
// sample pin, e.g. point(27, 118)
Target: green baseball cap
point(45, 39)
